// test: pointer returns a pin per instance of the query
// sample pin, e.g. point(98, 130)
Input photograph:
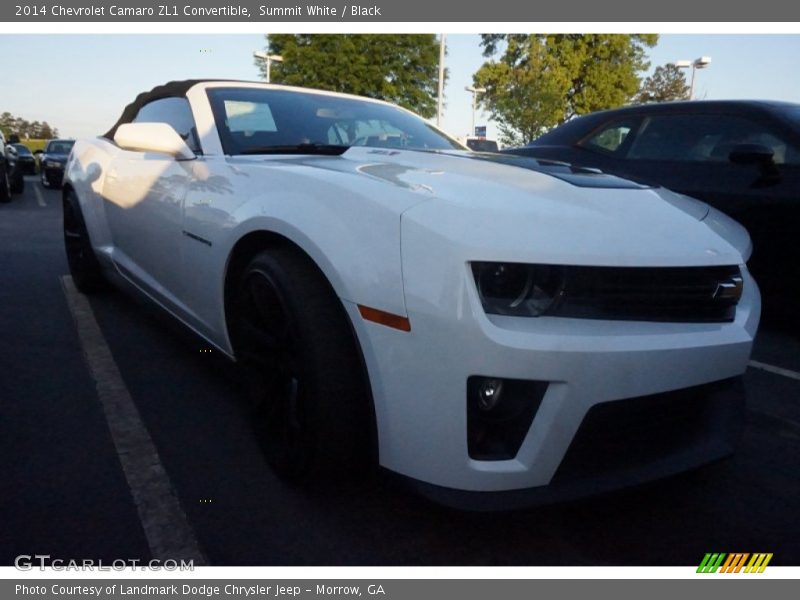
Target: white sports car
point(498, 330)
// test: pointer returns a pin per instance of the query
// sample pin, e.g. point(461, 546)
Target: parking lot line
point(776, 370)
point(166, 527)
point(39, 198)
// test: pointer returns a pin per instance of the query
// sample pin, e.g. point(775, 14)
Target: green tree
point(667, 83)
point(540, 81)
point(403, 69)
point(46, 132)
point(5, 123)
point(12, 125)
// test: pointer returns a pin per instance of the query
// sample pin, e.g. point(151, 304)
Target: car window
point(252, 120)
point(175, 112)
point(610, 138)
point(703, 138)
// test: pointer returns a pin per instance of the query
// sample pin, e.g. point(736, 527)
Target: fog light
point(489, 394)
point(499, 414)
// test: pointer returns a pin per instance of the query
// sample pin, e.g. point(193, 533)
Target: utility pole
point(440, 95)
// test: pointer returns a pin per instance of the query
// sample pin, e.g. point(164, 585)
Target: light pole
point(440, 94)
point(474, 91)
point(270, 58)
point(697, 63)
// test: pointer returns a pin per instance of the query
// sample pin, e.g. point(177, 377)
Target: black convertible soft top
point(173, 89)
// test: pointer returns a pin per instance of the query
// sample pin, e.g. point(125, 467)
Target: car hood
point(505, 208)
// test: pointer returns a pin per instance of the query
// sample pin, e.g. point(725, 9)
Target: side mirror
point(751, 154)
point(153, 137)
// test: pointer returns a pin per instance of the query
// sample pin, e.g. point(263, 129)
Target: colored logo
point(734, 563)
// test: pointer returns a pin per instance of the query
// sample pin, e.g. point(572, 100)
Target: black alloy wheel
point(310, 407)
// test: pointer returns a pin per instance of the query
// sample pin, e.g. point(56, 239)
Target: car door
point(690, 154)
point(145, 193)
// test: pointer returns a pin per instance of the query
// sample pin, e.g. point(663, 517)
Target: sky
point(80, 83)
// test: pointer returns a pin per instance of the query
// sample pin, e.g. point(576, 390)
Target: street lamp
point(474, 91)
point(440, 89)
point(270, 58)
point(698, 63)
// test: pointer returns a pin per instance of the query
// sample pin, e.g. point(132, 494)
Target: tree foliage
point(667, 83)
point(26, 129)
point(403, 69)
point(534, 82)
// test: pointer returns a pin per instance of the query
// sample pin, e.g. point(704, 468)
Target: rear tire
point(83, 265)
point(310, 399)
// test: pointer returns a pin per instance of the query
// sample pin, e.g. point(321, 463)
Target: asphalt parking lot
point(63, 490)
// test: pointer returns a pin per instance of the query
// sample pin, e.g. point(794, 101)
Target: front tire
point(83, 265)
point(311, 408)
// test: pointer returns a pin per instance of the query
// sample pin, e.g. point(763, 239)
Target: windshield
point(252, 120)
point(59, 147)
point(22, 150)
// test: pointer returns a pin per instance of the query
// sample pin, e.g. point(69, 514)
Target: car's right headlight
point(517, 289)
point(52, 163)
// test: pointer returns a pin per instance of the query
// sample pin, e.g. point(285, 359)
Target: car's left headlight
point(517, 289)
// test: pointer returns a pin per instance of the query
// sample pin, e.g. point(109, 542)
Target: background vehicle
point(52, 162)
point(475, 322)
point(25, 159)
point(481, 144)
point(11, 177)
point(742, 157)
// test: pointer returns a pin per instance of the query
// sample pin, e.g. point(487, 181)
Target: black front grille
point(636, 433)
point(679, 294)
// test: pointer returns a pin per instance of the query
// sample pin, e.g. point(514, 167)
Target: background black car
point(53, 160)
point(26, 162)
point(11, 179)
point(481, 145)
point(742, 157)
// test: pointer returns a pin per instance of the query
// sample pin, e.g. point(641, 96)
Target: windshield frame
point(436, 139)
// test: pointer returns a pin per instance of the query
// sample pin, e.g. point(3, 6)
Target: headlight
point(517, 289)
point(52, 164)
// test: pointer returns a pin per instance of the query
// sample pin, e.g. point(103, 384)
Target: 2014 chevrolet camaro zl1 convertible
point(495, 329)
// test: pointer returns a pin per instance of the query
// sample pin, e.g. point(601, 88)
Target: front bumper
point(622, 443)
point(419, 381)
point(54, 175)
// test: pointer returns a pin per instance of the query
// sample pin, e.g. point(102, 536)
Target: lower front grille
point(637, 433)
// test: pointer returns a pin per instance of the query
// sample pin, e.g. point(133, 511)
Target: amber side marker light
point(384, 318)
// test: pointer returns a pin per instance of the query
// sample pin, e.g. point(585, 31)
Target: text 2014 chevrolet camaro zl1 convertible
point(496, 329)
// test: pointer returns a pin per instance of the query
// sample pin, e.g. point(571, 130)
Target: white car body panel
point(395, 230)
